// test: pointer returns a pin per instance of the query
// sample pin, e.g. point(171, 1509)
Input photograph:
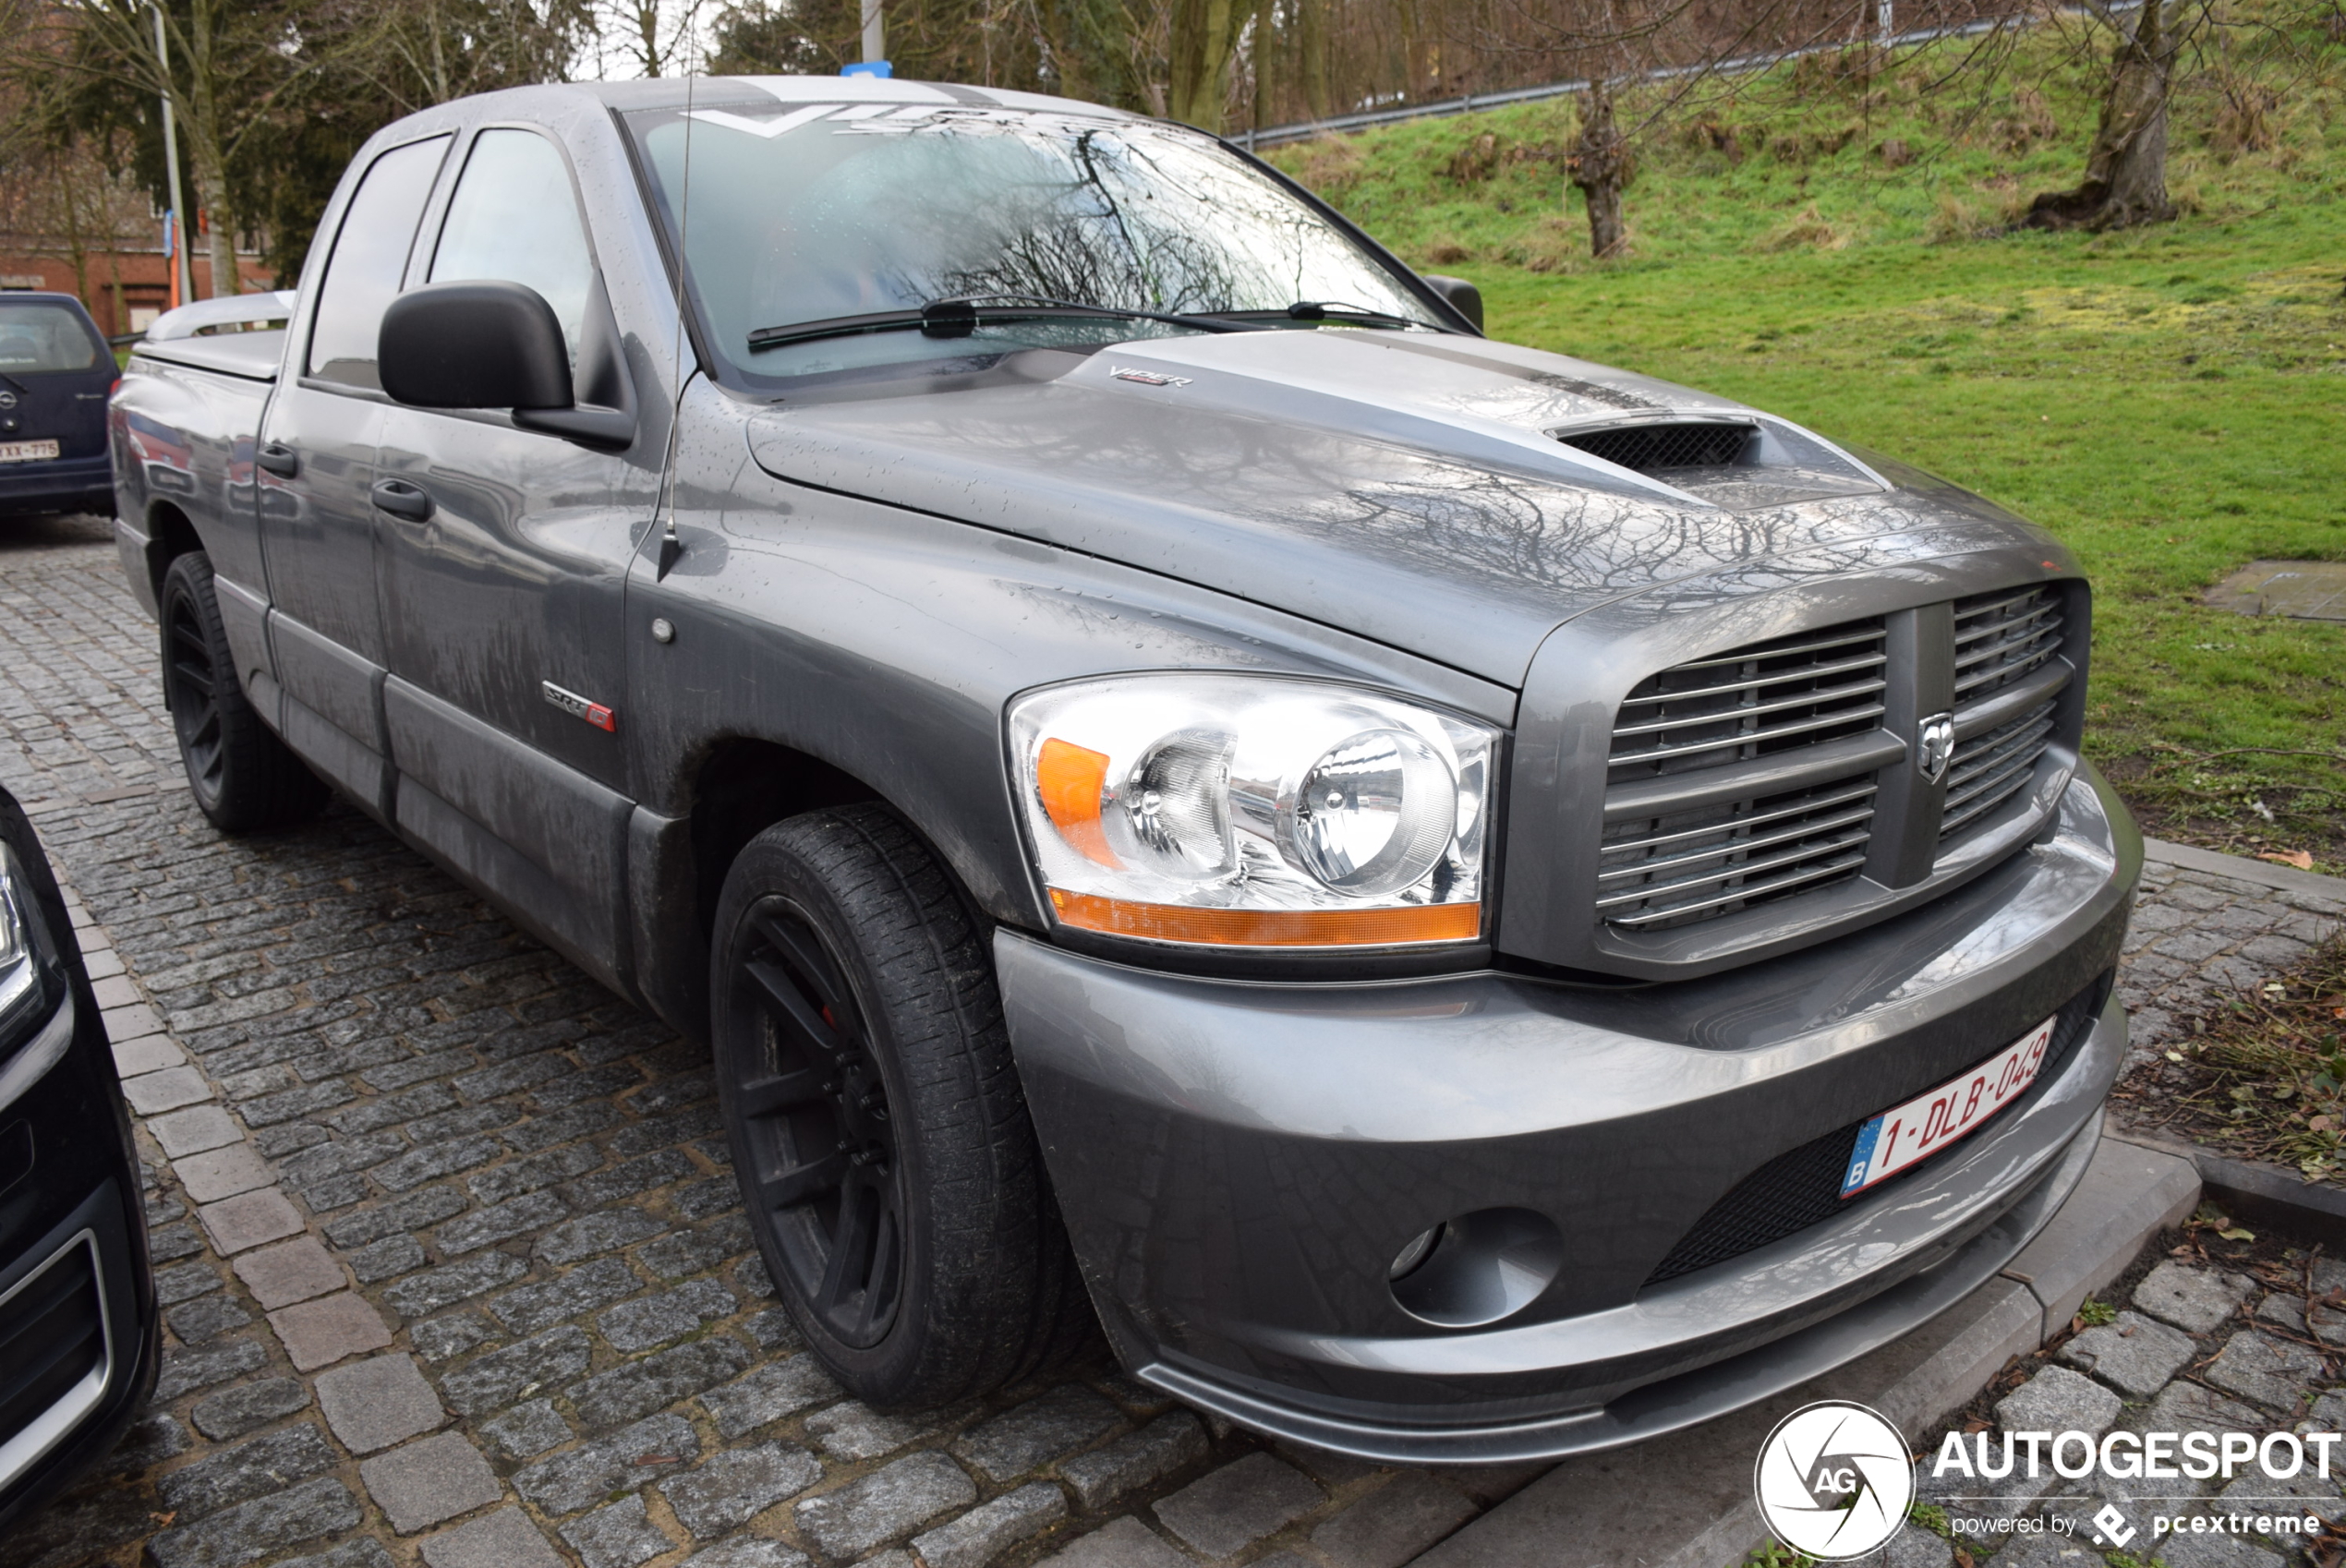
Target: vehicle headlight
point(1247, 811)
point(20, 984)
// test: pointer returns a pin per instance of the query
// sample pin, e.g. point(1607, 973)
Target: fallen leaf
point(2302, 859)
point(164, 1518)
point(2236, 1234)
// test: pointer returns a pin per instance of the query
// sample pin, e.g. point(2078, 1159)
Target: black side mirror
point(1462, 296)
point(474, 346)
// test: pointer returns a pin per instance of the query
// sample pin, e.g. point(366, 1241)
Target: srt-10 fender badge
point(578, 707)
point(1149, 378)
point(1935, 746)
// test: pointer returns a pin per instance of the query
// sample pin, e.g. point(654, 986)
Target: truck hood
point(1414, 488)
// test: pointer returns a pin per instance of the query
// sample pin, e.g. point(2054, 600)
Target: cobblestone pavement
point(2198, 935)
point(452, 1266)
point(2189, 1348)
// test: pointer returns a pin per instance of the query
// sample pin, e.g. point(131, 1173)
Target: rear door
point(316, 476)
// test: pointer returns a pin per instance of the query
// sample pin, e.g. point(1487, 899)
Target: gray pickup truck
point(1462, 903)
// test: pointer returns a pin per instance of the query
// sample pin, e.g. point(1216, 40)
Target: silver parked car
point(1466, 904)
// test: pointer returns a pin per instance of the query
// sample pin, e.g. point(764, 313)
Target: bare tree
point(2125, 181)
point(1600, 166)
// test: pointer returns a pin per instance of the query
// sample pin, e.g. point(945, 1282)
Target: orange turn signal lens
point(1268, 928)
point(1071, 780)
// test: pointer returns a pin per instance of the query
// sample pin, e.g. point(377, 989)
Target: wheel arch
point(170, 535)
point(732, 788)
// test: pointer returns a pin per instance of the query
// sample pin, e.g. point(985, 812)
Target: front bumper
point(77, 1292)
point(1239, 1163)
point(64, 484)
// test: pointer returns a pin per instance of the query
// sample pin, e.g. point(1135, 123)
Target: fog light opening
point(1476, 1269)
point(1407, 1260)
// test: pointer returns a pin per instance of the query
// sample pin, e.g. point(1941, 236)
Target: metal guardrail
point(1275, 136)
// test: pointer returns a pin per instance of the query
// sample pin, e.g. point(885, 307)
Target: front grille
point(1656, 449)
point(1989, 769)
point(2002, 640)
point(1802, 1187)
point(52, 1336)
point(1728, 713)
point(2001, 637)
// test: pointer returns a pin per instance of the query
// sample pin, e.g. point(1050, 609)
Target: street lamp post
point(184, 272)
point(874, 31)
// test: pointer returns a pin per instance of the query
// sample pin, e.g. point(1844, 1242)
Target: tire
point(241, 775)
point(886, 1159)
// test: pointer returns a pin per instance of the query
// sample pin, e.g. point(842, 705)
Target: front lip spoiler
point(1689, 1398)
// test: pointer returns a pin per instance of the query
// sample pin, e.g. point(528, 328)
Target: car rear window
point(36, 337)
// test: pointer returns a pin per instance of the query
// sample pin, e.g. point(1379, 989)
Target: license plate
point(26, 452)
point(1932, 1120)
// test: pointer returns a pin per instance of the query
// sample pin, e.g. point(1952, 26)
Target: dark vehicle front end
point(56, 374)
point(78, 1335)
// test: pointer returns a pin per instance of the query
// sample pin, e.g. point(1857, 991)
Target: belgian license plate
point(26, 452)
point(1932, 1120)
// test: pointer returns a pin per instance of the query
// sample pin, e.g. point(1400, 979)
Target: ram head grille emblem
point(1935, 746)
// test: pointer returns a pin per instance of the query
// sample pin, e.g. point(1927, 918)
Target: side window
point(369, 257)
point(514, 220)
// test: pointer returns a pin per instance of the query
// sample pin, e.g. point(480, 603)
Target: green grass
point(2171, 400)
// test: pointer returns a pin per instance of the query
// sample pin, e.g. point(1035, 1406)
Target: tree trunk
point(225, 278)
point(1205, 35)
point(1311, 27)
point(63, 170)
point(1600, 166)
point(2125, 180)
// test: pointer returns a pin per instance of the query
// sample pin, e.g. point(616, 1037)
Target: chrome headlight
point(20, 956)
point(1249, 810)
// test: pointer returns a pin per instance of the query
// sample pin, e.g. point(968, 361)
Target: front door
point(316, 465)
point(502, 594)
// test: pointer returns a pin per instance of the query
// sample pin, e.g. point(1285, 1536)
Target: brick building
point(126, 285)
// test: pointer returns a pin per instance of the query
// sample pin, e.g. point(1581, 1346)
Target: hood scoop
point(1736, 464)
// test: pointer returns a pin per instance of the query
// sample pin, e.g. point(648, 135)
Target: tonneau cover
point(252, 356)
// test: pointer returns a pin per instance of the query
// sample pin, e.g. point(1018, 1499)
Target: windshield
point(812, 212)
point(43, 337)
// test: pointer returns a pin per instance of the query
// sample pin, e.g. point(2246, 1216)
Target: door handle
point(278, 459)
point(403, 499)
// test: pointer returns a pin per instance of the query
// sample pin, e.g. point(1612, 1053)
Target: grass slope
point(2171, 400)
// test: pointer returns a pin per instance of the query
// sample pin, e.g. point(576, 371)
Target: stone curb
point(1685, 1501)
point(2240, 868)
point(2264, 1194)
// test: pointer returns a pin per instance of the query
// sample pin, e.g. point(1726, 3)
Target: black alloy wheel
point(814, 1111)
point(240, 773)
point(880, 1137)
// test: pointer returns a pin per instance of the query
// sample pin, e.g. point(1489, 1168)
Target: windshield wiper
point(958, 316)
point(1326, 311)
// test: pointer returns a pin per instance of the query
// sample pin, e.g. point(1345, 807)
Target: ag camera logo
point(1834, 1480)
